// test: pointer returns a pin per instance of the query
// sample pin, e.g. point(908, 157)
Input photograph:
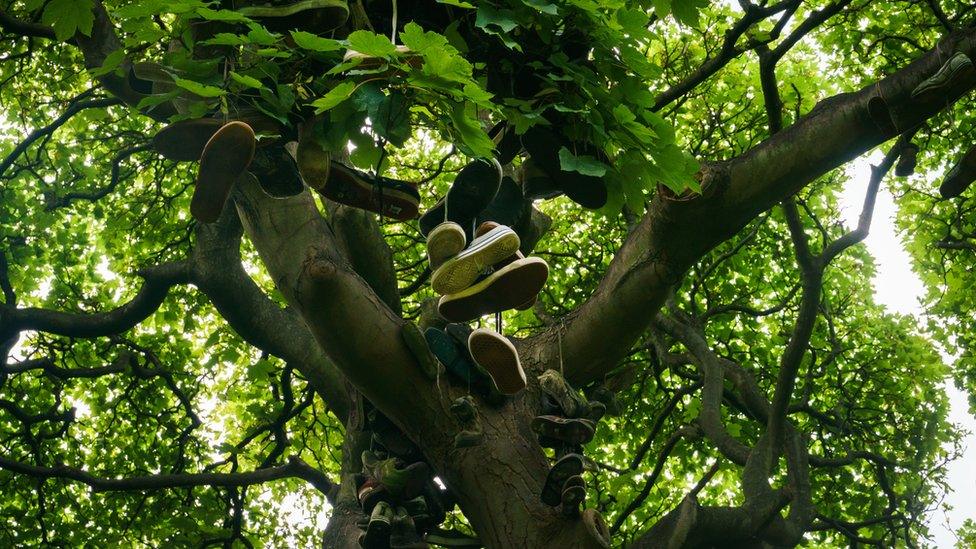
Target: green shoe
point(314, 15)
point(958, 66)
point(569, 400)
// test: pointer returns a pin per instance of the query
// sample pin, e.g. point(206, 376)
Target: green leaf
point(457, 3)
point(69, 17)
point(229, 16)
point(584, 164)
point(419, 41)
point(197, 88)
point(246, 81)
point(543, 6)
point(491, 17)
point(225, 39)
point(335, 96)
point(370, 43)
point(111, 63)
point(311, 42)
point(472, 134)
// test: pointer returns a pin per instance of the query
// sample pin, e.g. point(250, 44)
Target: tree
point(168, 382)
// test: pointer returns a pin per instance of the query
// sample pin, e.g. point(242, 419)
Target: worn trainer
point(513, 286)
point(225, 157)
point(276, 171)
point(444, 242)
point(462, 270)
point(496, 354)
point(472, 191)
point(388, 197)
point(960, 176)
point(568, 466)
point(955, 69)
point(379, 528)
point(573, 431)
point(574, 492)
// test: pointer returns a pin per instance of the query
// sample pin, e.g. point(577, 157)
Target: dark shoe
point(277, 172)
point(464, 410)
point(571, 403)
point(370, 493)
point(574, 492)
point(387, 197)
point(380, 525)
point(414, 339)
point(496, 354)
point(469, 438)
point(404, 533)
point(450, 355)
point(543, 146)
point(314, 15)
point(514, 285)
point(957, 67)
point(445, 241)
point(595, 412)
point(473, 189)
point(453, 538)
point(507, 144)
point(509, 207)
point(568, 466)
point(881, 116)
point(606, 397)
point(907, 160)
point(570, 431)
point(960, 176)
point(225, 157)
point(462, 270)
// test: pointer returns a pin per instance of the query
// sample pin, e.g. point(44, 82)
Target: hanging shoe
point(881, 116)
point(958, 67)
point(276, 171)
point(379, 528)
point(444, 242)
point(461, 271)
point(317, 16)
point(514, 285)
point(496, 354)
point(597, 527)
point(314, 160)
point(472, 191)
point(574, 431)
point(185, 140)
point(509, 207)
point(571, 403)
point(595, 411)
point(370, 493)
point(961, 176)
point(907, 160)
point(568, 466)
point(466, 413)
point(225, 157)
point(404, 533)
point(388, 197)
point(543, 146)
point(449, 353)
point(574, 492)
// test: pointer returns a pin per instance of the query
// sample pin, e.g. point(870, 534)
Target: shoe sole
point(472, 191)
point(225, 157)
point(314, 163)
point(347, 187)
point(965, 173)
point(511, 286)
point(570, 431)
point(444, 242)
point(496, 354)
point(184, 141)
point(377, 535)
point(570, 465)
point(463, 270)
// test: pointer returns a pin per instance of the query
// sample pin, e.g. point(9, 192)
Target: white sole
point(461, 271)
